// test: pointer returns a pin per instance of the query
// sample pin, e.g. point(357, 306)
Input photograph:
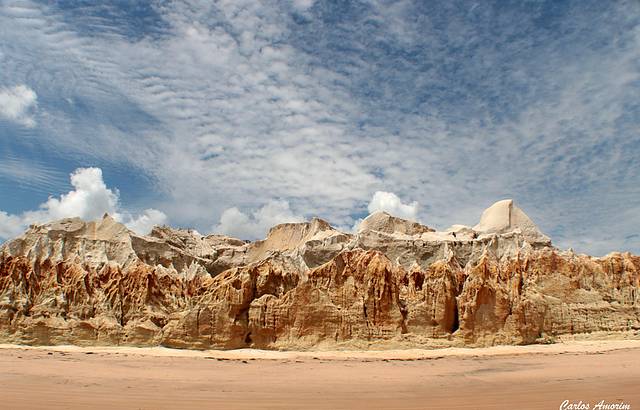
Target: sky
point(231, 116)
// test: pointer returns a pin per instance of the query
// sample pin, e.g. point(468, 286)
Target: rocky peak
point(92, 242)
point(106, 228)
point(504, 217)
point(294, 236)
point(383, 222)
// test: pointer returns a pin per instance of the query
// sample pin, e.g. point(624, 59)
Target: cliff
point(308, 285)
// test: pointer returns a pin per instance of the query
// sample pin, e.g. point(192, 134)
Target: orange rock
point(307, 285)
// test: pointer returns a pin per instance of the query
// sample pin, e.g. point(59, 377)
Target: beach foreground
point(532, 377)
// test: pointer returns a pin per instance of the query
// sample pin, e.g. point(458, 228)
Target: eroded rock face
point(395, 283)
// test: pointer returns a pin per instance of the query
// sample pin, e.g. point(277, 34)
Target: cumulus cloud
point(234, 222)
point(10, 225)
point(89, 200)
point(145, 222)
point(391, 203)
point(17, 104)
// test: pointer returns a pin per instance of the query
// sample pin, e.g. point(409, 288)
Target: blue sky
point(235, 115)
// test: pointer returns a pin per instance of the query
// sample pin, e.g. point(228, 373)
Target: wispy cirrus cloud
point(238, 104)
point(29, 173)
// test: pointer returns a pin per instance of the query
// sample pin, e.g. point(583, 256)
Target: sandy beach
point(531, 377)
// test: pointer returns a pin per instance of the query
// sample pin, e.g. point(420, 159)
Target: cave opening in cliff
point(455, 325)
point(418, 280)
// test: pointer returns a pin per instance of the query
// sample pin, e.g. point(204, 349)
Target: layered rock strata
point(394, 283)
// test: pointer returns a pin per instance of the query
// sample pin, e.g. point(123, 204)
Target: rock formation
point(504, 216)
point(395, 283)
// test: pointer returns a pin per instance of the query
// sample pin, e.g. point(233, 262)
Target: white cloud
point(89, 200)
point(303, 5)
point(32, 174)
point(10, 225)
point(17, 104)
point(236, 223)
point(252, 105)
point(391, 203)
point(259, 124)
point(145, 222)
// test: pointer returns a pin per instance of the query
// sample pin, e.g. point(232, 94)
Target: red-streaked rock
point(307, 285)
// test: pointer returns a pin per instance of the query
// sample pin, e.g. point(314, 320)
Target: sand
point(527, 377)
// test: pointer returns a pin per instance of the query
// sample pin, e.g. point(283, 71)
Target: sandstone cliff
point(308, 285)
